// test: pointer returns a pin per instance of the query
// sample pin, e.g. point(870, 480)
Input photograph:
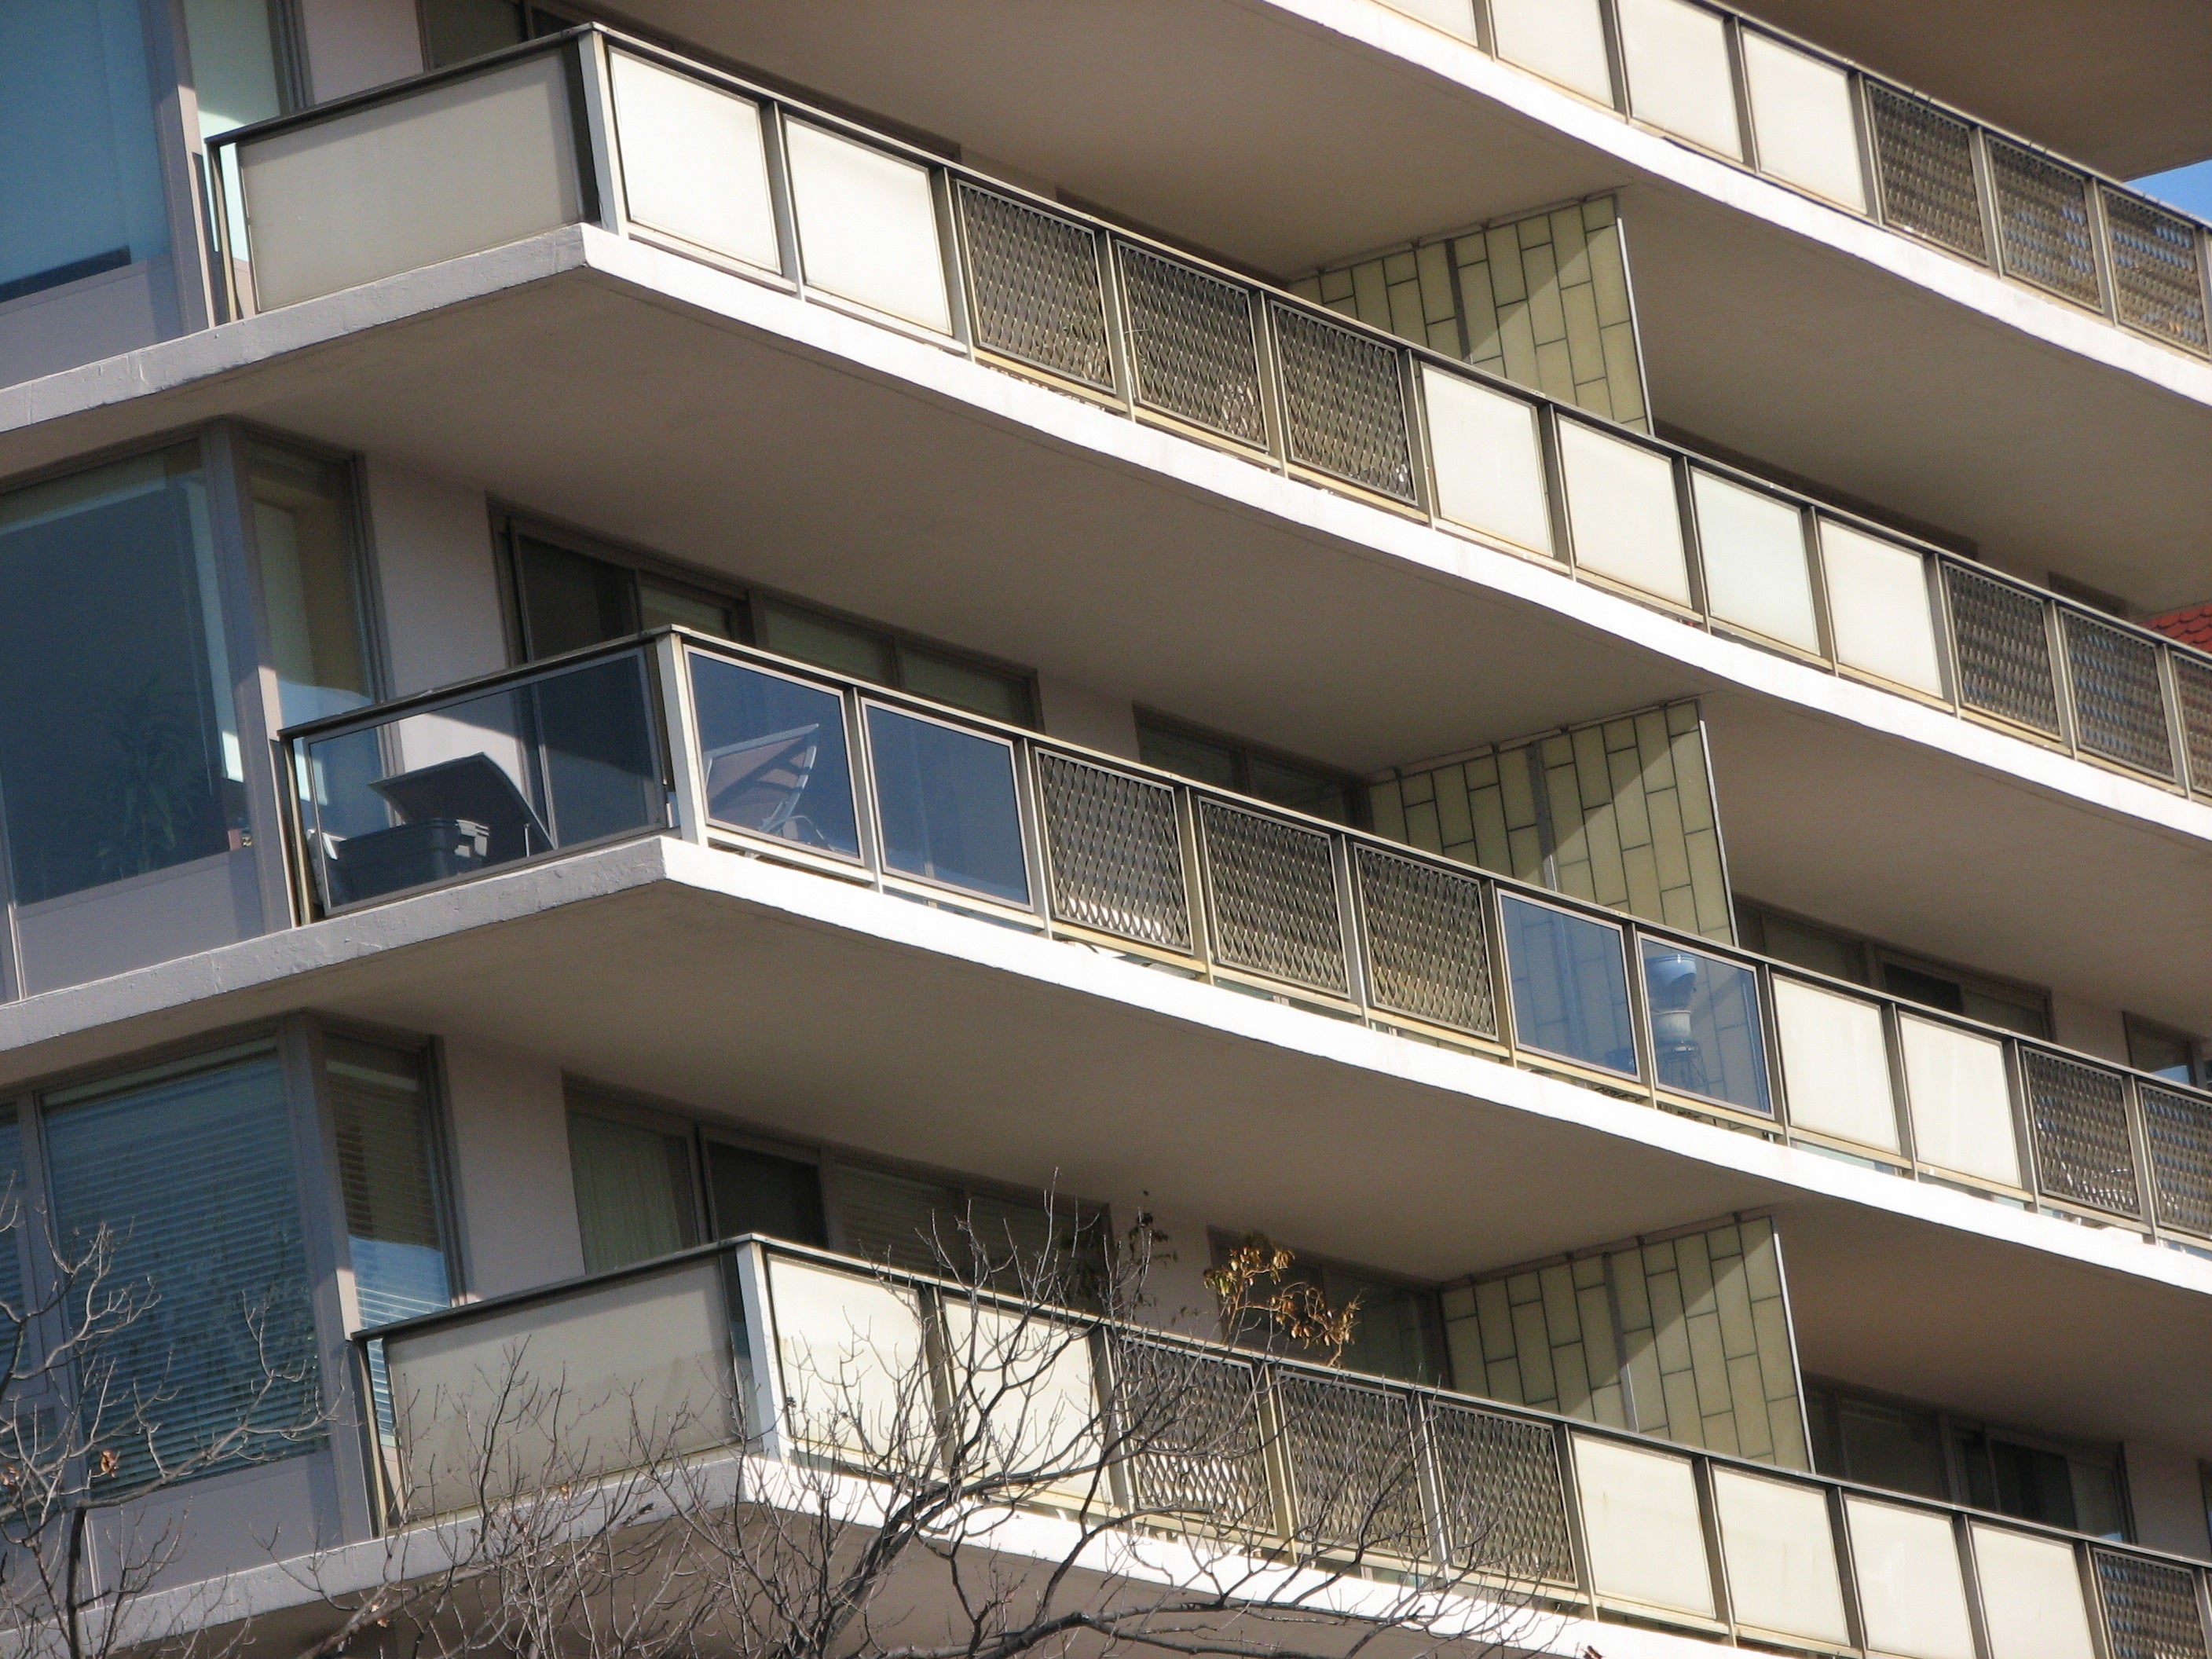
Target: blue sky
point(2185, 187)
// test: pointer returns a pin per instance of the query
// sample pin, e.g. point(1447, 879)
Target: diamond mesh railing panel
point(2158, 280)
point(1427, 951)
point(1191, 1424)
point(1190, 335)
point(1344, 408)
point(1926, 161)
point(2150, 1608)
point(2003, 650)
point(1035, 281)
point(1505, 1512)
point(2079, 1115)
point(2119, 709)
point(1354, 1468)
point(2178, 1129)
point(1274, 888)
point(1116, 852)
point(2042, 223)
point(2193, 680)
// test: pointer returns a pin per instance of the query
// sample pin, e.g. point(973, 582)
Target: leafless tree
point(1010, 1455)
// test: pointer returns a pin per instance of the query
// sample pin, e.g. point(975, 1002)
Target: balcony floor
point(804, 1005)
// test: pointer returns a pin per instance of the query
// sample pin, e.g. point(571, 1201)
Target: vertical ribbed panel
point(2079, 1115)
point(2178, 1130)
point(2003, 650)
point(1116, 852)
point(2158, 277)
point(2151, 1610)
point(1343, 403)
point(2042, 223)
point(1428, 956)
point(1355, 1470)
point(1191, 1424)
point(1926, 161)
point(1273, 889)
point(1505, 1513)
point(1190, 335)
point(2120, 707)
point(2192, 678)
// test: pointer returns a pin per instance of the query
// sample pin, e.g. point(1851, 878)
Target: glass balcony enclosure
point(495, 149)
point(783, 1351)
point(778, 758)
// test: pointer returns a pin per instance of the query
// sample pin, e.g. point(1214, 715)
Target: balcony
point(740, 751)
point(754, 1345)
point(462, 160)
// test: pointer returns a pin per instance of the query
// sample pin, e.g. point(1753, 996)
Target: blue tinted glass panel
point(1570, 986)
point(1705, 1037)
point(772, 756)
point(946, 799)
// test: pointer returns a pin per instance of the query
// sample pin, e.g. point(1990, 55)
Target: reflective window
point(310, 583)
point(120, 753)
point(772, 755)
point(1227, 764)
point(379, 1100)
point(946, 800)
point(569, 600)
point(1880, 1443)
point(635, 1199)
point(84, 191)
point(2160, 1052)
point(1705, 1034)
point(234, 63)
point(754, 1191)
point(1570, 986)
point(456, 30)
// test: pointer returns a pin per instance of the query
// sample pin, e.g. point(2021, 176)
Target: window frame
point(1220, 1241)
point(2193, 1045)
point(1876, 954)
point(1243, 752)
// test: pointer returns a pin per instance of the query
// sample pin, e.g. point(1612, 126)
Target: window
point(1231, 763)
point(456, 30)
point(636, 1199)
point(1914, 1449)
point(84, 195)
point(565, 599)
point(236, 59)
point(1399, 1329)
point(1830, 951)
point(386, 1132)
point(303, 509)
point(188, 1168)
point(120, 756)
point(2164, 1052)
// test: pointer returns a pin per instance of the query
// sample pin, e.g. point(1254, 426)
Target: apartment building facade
point(1509, 641)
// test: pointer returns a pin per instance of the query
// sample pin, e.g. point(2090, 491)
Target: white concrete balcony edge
point(286, 971)
point(173, 384)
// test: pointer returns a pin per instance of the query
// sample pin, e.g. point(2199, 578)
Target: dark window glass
point(1202, 760)
point(968, 685)
point(2162, 1054)
point(569, 600)
point(1397, 1332)
point(826, 641)
point(759, 1193)
point(773, 756)
point(1893, 1447)
point(946, 800)
point(456, 30)
point(1227, 765)
point(1570, 986)
point(1298, 787)
point(120, 755)
point(633, 1193)
point(1911, 982)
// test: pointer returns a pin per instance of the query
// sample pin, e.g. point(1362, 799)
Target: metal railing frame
point(666, 652)
point(598, 156)
point(757, 1390)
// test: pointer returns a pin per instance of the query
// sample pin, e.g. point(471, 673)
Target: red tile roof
point(2192, 624)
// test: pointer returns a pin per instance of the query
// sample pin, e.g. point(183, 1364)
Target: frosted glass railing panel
point(1757, 573)
point(1912, 1594)
point(1622, 510)
point(1562, 41)
point(563, 1390)
point(1679, 78)
point(1781, 1552)
point(1647, 1544)
point(457, 168)
point(694, 164)
point(2031, 1597)
point(1835, 1064)
point(868, 226)
point(1489, 459)
point(1801, 111)
point(997, 1357)
point(1453, 16)
point(1879, 609)
point(848, 1350)
point(1962, 1106)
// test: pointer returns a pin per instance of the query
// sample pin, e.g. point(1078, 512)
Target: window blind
point(191, 1170)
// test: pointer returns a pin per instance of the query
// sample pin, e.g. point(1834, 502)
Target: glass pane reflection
point(772, 756)
point(1570, 986)
point(947, 806)
point(1705, 1038)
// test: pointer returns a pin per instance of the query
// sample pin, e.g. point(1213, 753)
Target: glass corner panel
point(772, 755)
point(1570, 983)
point(947, 806)
point(1705, 1034)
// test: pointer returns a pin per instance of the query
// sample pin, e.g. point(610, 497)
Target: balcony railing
point(1747, 92)
point(770, 758)
point(592, 126)
point(773, 1348)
